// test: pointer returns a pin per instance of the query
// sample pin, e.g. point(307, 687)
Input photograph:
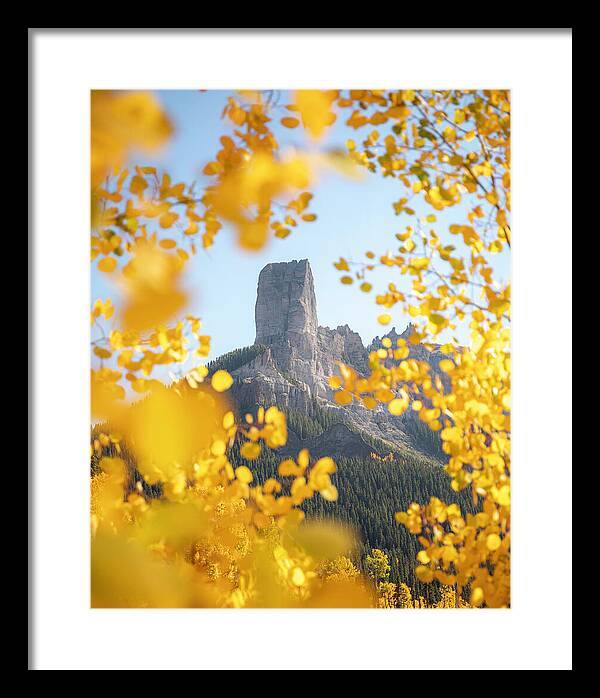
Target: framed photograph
point(279, 402)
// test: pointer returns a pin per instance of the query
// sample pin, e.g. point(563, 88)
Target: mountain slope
point(292, 359)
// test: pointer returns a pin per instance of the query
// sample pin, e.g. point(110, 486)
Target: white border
point(536, 632)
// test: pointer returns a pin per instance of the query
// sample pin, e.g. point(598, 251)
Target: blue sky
point(353, 216)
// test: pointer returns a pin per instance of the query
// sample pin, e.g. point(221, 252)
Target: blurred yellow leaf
point(493, 542)
point(152, 294)
point(244, 474)
point(397, 406)
point(290, 122)
point(314, 107)
point(221, 381)
point(250, 450)
point(169, 428)
point(121, 122)
point(107, 264)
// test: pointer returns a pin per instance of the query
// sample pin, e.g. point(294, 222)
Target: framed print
point(297, 349)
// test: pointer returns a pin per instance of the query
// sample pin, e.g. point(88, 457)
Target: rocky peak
point(292, 371)
point(285, 303)
point(408, 331)
point(392, 334)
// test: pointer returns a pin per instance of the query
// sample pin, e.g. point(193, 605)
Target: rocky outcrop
point(285, 302)
point(293, 371)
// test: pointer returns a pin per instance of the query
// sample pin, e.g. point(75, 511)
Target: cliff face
point(300, 356)
point(285, 302)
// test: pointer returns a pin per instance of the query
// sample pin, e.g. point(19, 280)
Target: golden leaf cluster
point(216, 536)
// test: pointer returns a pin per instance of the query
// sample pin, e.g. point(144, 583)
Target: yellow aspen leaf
point(314, 108)
point(459, 116)
point(244, 474)
point(290, 122)
point(399, 112)
point(151, 284)
point(447, 580)
point(449, 134)
point(102, 353)
point(347, 280)
point(217, 447)
point(477, 596)
point(424, 574)
point(397, 407)
point(449, 554)
point(237, 115)
point(343, 397)
point(420, 263)
point(384, 395)
point(221, 381)
point(446, 365)
point(366, 287)
point(250, 450)
point(228, 420)
point(138, 185)
point(335, 382)
point(384, 319)
point(309, 217)
point(107, 264)
point(492, 197)
point(503, 496)
point(213, 168)
point(329, 493)
point(200, 372)
point(167, 244)
point(122, 121)
point(167, 219)
point(304, 458)
point(452, 434)
point(493, 542)
point(288, 468)
point(428, 415)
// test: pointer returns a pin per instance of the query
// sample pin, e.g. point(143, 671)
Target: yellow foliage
point(218, 537)
point(314, 107)
point(122, 122)
point(152, 294)
point(221, 381)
